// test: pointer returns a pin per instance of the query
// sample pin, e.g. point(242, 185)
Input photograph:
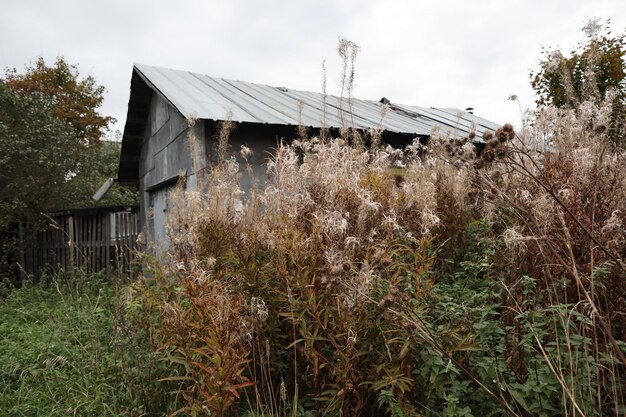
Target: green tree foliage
point(594, 69)
point(53, 154)
point(97, 164)
point(80, 156)
point(75, 101)
point(37, 156)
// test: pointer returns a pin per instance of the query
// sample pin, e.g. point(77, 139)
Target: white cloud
point(445, 53)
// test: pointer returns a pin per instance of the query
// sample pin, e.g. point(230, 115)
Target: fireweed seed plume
point(327, 275)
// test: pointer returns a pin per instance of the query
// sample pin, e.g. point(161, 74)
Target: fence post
point(22, 266)
point(72, 243)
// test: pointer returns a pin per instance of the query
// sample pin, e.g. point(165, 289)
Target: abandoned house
point(155, 152)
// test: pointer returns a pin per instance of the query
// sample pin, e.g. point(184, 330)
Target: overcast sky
point(430, 53)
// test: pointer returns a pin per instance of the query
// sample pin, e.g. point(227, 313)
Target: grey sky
point(429, 53)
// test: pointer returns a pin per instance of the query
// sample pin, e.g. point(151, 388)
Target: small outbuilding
point(155, 149)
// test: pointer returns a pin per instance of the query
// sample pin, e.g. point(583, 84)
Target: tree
point(37, 154)
point(61, 93)
point(74, 101)
point(52, 152)
point(37, 157)
point(97, 164)
point(592, 71)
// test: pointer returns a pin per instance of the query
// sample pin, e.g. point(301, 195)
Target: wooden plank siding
point(94, 241)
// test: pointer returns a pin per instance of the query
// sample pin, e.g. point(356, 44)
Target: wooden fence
point(93, 240)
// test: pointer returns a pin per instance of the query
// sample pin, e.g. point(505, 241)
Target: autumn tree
point(53, 154)
point(594, 70)
point(37, 154)
point(74, 101)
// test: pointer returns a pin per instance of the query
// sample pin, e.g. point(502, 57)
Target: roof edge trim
point(154, 88)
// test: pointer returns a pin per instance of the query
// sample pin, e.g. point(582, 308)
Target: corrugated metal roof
point(204, 97)
point(452, 121)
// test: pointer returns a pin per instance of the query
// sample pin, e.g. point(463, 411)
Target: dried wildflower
point(502, 152)
point(333, 222)
point(613, 223)
point(351, 339)
point(391, 220)
point(415, 148)
point(516, 241)
point(429, 220)
point(283, 391)
point(501, 135)
point(508, 129)
point(258, 309)
point(488, 155)
point(487, 135)
point(492, 143)
point(245, 152)
point(613, 230)
point(385, 302)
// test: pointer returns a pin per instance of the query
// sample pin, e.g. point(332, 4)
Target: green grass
point(69, 350)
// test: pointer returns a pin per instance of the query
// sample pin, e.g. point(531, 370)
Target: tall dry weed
point(332, 285)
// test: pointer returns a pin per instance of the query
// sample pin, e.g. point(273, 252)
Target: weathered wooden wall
point(165, 154)
point(93, 241)
point(261, 139)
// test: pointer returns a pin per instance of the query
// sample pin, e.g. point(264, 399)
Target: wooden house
point(155, 148)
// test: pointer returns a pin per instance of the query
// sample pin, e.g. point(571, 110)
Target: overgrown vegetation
point(53, 152)
point(72, 349)
point(596, 68)
point(452, 279)
point(430, 281)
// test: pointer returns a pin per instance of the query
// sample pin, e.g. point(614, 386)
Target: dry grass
point(330, 287)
